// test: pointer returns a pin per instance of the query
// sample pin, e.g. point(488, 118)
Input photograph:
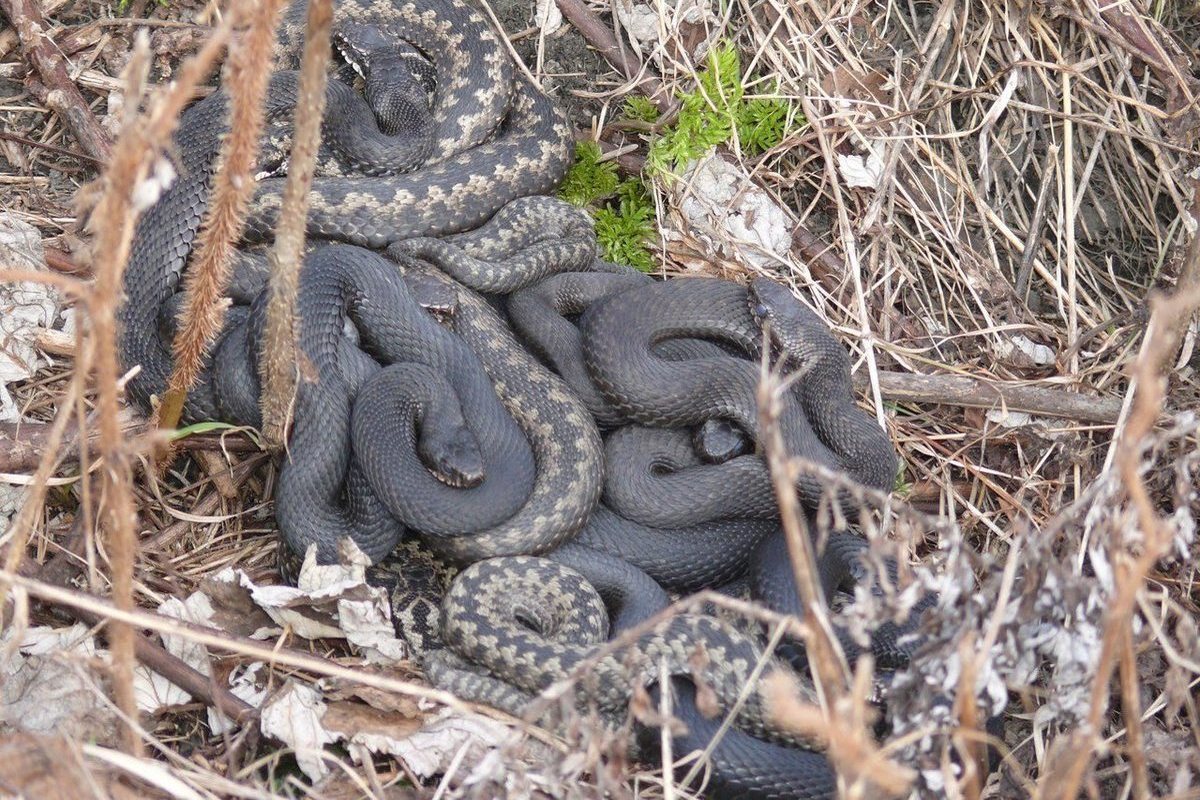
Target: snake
point(618, 348)
point(442, 192)
point(493, 138)
point(513, 628)
point(565, 440)
point(341, 284)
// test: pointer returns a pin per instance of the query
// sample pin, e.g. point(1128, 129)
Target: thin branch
point(62, 95)
point(203, 309)
point(278, 364)
point(960, 390)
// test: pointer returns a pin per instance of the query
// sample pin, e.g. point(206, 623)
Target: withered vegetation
point(1017, 285)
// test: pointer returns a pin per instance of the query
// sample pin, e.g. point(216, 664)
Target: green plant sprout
point(590, 180)
point(623, 231)
point(623, 210)
point(640, 108)
point(710, 115)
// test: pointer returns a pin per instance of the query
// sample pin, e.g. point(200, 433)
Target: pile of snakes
point(577, 439)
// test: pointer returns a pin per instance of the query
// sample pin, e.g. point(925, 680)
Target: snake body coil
point(454, 429)
point(492, 142)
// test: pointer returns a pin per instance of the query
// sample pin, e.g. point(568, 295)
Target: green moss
point(640, 108)
point(624, 228)
point(589, 180)
point(623, 210)
point(762, 123)
point(711, 114)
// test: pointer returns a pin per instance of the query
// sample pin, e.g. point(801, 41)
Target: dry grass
point(1032, 183)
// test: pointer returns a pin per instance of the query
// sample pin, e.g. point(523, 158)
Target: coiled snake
point(455, 429)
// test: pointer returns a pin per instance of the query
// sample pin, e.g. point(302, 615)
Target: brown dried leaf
point(352, 719)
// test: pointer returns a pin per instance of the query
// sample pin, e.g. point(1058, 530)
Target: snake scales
point(429, 413)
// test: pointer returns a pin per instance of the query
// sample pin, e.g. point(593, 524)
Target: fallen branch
point(9, 38)
point(977, 393)
point(23, 443)
point(62, 95)
point(62, 568)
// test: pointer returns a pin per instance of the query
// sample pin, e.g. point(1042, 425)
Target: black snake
point(454, 429)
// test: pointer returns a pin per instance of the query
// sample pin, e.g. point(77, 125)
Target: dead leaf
point(358, 721)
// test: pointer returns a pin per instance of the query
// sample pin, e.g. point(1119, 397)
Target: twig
point(960, 390)
point(60, 569)
point(9, 38)
point(219, 640)
point(1131, 713)
point(49, 148)
point(278, 364)
point(203, 309)
point(824, 651)
point(62, 95)
point(601, 38)
point(23, 443)
point(851, 744)
point(1034, 235)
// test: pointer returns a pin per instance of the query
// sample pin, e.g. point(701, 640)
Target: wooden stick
point(62, 95)
point(62, 568)
point(9, 38)
point(977, 393)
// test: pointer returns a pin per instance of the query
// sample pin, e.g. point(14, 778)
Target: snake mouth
point(457, 463)
point(455, 477)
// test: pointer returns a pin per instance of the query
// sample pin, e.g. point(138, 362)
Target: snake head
point(435, 296)
point(770, 301)
point(452, 455)
point(791, 325)
point(719, 440)
point(398, 78)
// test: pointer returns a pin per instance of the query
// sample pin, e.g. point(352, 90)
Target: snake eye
point(760, 310)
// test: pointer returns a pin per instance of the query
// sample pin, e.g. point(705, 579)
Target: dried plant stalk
point(277, 366)
point(203, 309)
point(852, 750)
point(1158, 350)
point(114, 223)
point(113, 219)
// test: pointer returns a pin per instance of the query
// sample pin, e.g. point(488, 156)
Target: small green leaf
point(209, 427)
point(199, 427)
